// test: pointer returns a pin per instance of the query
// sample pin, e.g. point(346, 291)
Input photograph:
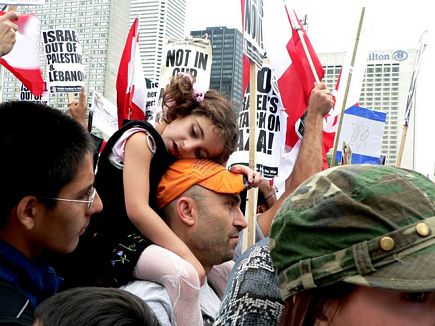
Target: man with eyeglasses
point(90, 196)
point(48, 198)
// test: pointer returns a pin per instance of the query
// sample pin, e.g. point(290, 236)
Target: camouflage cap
point(362, 224)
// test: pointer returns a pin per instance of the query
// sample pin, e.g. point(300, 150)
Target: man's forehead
point(235, 197)
point(221, 194)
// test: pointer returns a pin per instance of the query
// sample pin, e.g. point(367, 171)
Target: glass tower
point(226, 68)
point(158, 21)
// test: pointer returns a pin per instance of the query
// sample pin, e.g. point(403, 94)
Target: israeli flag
point(363, 130)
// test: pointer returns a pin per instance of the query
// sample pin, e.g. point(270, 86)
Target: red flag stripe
point(123, 96)
point(22, 61)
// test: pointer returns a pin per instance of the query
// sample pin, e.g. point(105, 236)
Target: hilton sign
point(398, 55)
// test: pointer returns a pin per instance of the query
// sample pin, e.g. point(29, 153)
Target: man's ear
point(186, 210)
point(27, 209)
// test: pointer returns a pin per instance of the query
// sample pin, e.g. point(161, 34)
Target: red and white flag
point(293, 71)
point(289, 61)
point(291, 67)
point(130, 82)
point(22, 61)
point(297, 81)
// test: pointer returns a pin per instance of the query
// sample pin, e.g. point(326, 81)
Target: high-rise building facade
point(159, 20)
point(385, 88)
point(226, 68)
point(102, 28)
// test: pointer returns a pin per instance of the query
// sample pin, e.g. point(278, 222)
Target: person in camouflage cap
point(357, 238)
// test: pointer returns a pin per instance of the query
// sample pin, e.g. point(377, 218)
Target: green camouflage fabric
point(362, 224)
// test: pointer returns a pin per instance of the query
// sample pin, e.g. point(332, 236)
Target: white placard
point(193, 56)
point(104, 115)
point(269, 130)
point(65, 70)
point(26, 95)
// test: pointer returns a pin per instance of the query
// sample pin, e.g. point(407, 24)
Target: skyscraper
point(226, 69)
point(102, 27)
point(158, 21)
point(385, 88)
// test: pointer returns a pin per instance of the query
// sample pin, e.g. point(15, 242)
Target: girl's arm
point(254, 178)
point(136, 191)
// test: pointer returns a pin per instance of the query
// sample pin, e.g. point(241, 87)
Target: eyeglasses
point(90, 200)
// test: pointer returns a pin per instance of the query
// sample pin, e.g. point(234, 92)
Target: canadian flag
point(130, 82)
point(22, 61)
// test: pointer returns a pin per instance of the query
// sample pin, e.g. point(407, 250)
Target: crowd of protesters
point(151, 237)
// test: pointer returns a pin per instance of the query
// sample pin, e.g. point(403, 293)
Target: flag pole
point(251, 207)
point(411, 98)
point(294, 21)
point(402, 144)
point(346, 92)
point(307, 53)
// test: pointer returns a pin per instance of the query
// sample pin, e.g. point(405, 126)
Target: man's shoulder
point(15, 307)
point(147, 290)
point(157, 298)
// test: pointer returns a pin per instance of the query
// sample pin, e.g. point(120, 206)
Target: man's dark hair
point(42, 150)
point(95, 306)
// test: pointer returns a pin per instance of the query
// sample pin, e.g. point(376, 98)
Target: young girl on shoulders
point(129, 237)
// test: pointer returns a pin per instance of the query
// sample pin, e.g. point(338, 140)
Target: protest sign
point(65, 68)
point(269, 127)
point(363, 130)
point(26, 95)
point(105, 116)
point(253, 44)
point(193, 56)
point(152, 107)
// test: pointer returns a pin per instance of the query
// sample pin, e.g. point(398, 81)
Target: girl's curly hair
point(179, 101)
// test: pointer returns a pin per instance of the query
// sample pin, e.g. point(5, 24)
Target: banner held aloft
point(64, 54)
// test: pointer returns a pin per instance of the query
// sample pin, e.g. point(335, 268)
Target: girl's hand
point(254, 178)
